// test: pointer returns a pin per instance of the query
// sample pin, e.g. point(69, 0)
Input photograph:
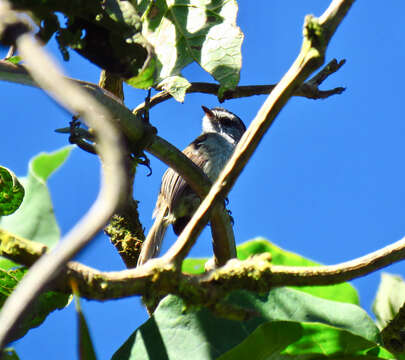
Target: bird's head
point(223, 122)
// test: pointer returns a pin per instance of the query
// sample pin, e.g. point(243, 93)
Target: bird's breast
point(217, 151)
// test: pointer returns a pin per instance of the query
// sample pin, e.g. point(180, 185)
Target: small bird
point(177, 202)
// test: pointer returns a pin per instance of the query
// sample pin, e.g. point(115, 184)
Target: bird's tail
point(153, 242)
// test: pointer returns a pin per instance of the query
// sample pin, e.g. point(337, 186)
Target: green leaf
point(9, 354)
point(269, 339)
point(194, 265)
point(123, 12)
point(340, 292)
point(35, 219)
point(44, 164)
point(14, 59)
point(145, 78)
point(7, 264)
point(198, 334)
point(306, 341)
point(11, 192)
point(290, 304)
point(8, 281)
point(343, 292)
point(45, 304)
point(389, 299)
point(183, 31)
point(176, 86)
point(86, 348)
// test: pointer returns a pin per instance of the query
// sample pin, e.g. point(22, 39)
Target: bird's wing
point(173, 185)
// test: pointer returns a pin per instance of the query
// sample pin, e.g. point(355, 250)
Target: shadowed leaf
point(173, 333)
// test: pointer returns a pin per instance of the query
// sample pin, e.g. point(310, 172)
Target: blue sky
point(325, 182)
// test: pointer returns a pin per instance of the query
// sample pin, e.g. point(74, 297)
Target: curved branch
point(110, 148)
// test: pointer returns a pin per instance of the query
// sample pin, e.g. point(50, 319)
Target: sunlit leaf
point(42, 307)
point(389, 299)
point(183, 31)
point(304, 340)
point(176, 86)
point(35, 219)
point(14, 59)
point(145, 78)
point(11, 192)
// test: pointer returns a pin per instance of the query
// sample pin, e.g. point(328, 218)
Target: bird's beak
point(208, 112)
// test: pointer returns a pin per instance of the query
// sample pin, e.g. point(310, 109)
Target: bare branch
point(308, 89)
point(109, 146)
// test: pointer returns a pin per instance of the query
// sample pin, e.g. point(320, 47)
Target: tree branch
point(314, 27)
point(109, 145)
point(317, 33)
point(255, 274)
point(308, 89)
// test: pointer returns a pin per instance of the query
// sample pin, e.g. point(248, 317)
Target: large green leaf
point(389, 299)
point(45, 304)
point(183, 31)
point(35, 219)
point(11, 192)
point(198, 334)
point(341, 292)
point(288, 339)
point(6, 264)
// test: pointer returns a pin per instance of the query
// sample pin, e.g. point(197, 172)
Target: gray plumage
point(177, 202)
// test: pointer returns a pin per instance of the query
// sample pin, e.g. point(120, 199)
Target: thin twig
point(308, 89)
point(114, 184)
point(317, 34)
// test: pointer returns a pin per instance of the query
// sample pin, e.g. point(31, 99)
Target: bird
point(177, 202)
